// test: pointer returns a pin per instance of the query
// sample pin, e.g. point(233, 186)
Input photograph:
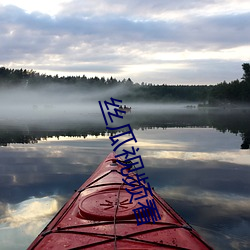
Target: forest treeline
point(236, 91)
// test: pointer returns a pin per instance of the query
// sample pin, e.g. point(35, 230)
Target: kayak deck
point(99, 215)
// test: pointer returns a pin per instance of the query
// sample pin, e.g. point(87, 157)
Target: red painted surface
point(87, 220)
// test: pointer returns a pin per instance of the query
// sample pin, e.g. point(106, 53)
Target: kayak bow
point(99, 215)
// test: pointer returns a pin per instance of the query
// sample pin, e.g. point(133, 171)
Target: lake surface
point(197, 160)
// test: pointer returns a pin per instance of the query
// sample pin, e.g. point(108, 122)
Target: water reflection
point(193, 161)
point(29, 210)
point(233, 121)
point(20, 222)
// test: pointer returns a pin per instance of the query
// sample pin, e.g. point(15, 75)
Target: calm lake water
point(197, 160)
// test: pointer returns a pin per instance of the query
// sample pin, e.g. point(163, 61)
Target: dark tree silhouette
point(246, 69)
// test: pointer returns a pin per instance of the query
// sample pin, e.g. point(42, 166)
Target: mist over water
point(63, 103)
point(55, 102)
point(59, 107)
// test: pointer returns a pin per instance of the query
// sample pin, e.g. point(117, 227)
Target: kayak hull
point(99, 215)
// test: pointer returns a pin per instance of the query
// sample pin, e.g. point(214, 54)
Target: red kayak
point(100, 216)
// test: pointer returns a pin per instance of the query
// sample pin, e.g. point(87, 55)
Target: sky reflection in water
point(199, 171)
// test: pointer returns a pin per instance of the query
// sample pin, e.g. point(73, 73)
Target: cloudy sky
point(157, 41)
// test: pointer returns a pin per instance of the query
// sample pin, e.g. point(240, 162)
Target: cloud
point(157, 9)
point(125, 40)
point(116, 30)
